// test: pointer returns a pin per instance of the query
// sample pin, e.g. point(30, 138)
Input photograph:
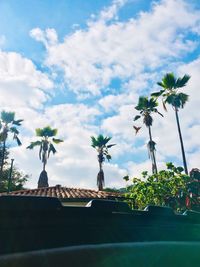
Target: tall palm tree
point(8, 125)
point(100, 143)
point(171, 95)
point(45, 148)
point(146, 107)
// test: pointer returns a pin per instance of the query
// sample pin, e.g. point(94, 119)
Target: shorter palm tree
point(170, 94)
point(45, 148)
point(100, 143)
point(146, 107)
point(8, 125)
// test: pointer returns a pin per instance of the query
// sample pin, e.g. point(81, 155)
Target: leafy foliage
point(18, 178)
point(166, 188)
point(8, 125)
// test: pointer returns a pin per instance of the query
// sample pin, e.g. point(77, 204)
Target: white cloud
point(111, 11)
point(91, 58)
point(21, 84)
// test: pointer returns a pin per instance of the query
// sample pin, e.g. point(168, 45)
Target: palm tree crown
point(146, 107)
point(100, 143)
point(45, 144)
point(8, 124)
point(170, 91)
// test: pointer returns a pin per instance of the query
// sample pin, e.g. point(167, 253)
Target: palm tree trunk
point(100, 176)
point(3, 157)
point(154, 165)
point(44, 165)
point(181, 141)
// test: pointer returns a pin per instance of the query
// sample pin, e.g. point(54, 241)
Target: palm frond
point(183, 99)
point(94, 142)
point(181, 82)
point(17, 139)
point(164, 106)
point(7, 117)
point(14, 130)
point(108, 157)
point(46, 131)
point(51, 149)
point(17, 122)
point(33, 144)
point(57, 141)
point(159, 112)
point(137, 117)
point(142, 103)
point(109, 146)
point(169, 81)
point(157, 94)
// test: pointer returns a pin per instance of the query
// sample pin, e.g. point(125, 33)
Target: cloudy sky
point(80, 66)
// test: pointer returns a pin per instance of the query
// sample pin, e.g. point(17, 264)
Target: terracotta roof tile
point(66, 193)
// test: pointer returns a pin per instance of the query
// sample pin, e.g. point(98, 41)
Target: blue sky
point(80, 66)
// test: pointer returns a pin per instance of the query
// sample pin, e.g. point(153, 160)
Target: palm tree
point(45, 148)
point(8, 125)
point(100, 144)
point(146, 107)
point(171, 95)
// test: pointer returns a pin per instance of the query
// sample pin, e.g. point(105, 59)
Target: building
point(69, 196)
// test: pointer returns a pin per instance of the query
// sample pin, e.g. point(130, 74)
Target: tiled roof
point(66, 193)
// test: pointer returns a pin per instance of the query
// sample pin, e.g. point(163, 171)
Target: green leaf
point(126, 178)
point(180, 169)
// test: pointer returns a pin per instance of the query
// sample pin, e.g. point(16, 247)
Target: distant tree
point(18, 178)
point(171, 95)
point(46, 146)
point(146, 108)
point(100, 143)
point(8, 125)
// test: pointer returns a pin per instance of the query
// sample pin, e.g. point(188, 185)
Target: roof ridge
point(65, 192)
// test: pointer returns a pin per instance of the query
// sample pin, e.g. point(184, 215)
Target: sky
point(80, 66)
